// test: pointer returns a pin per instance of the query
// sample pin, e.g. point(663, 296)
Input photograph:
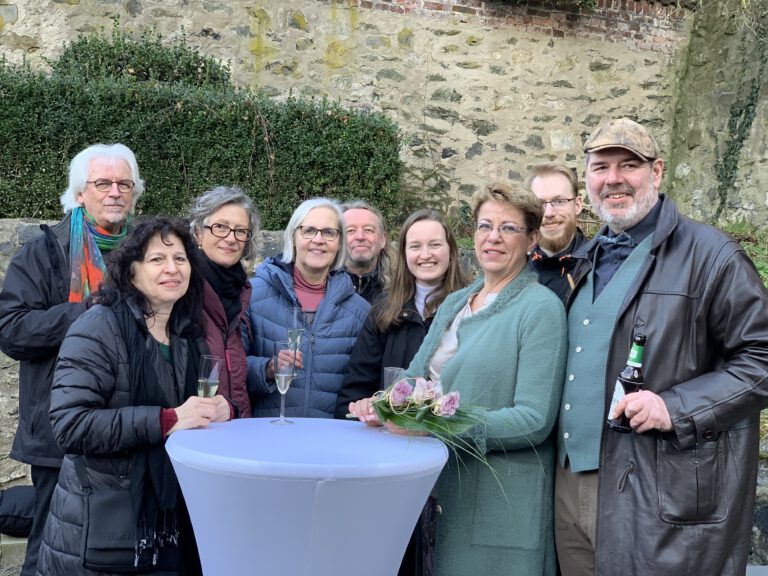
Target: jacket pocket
point(690, 482)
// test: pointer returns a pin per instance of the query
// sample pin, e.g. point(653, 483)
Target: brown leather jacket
point(682, 502)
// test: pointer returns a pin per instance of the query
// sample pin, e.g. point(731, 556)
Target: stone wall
point(482, 90)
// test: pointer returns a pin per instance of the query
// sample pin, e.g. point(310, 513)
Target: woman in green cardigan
point(501, 343)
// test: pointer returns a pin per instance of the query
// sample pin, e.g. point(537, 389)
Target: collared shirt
point(609, 259)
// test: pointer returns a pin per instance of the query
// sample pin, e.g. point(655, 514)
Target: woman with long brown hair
point(425, 271)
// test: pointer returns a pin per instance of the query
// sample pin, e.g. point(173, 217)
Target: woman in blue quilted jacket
point(309, 275)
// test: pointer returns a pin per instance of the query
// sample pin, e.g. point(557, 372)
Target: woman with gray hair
point(308, 277)
point(225, 224)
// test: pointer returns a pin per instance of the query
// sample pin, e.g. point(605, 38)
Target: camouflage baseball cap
point(623, 133)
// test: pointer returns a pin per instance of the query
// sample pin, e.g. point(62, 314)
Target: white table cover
point(316, 498)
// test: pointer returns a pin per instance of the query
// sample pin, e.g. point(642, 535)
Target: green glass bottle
point(630, 380)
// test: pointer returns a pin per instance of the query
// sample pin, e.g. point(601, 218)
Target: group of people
point(109, 316)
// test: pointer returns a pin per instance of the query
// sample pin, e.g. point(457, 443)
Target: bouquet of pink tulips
point(420, 406)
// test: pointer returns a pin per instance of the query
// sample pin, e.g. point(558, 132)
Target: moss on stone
point(498, 70)
point(468, 65)
point(436, 78)
point(473, 40)
point(450, 48)
point(405, 38)
point(335, 54)
point(296, 19)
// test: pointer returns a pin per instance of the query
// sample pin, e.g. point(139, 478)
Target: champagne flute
point(295, 332)
point(284, 367)
point(208, 378)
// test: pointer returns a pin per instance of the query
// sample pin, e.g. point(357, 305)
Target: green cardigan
point(510, 360)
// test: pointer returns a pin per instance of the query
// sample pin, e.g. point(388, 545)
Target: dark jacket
point(325, 347)
point(226, 341)
point(556, 272)
point(91, 415)
point(681, 502)
point(368, 285)
point(375, 349)
point(34, 317)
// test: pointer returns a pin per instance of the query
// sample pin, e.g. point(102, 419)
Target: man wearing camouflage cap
point(675, 495)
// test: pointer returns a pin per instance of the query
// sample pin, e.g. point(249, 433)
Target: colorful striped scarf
point(87, 240)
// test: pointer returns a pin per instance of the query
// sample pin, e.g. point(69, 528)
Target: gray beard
point(640, 209)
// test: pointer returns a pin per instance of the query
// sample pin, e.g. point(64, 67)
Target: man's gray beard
point(640, 209)
point(361, 263)
point(559, 242)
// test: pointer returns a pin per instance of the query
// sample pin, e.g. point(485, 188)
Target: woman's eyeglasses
point(222, 231)
point(309, 232)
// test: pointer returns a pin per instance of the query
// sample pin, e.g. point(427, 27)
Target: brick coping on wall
point(649, 25)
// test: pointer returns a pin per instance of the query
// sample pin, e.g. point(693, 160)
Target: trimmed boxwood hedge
point(188, 136)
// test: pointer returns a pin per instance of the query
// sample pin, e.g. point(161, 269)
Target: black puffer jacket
point(681, 503)
point(34, 318)
point(375, 349)
point(556, 272)
point(92, 416)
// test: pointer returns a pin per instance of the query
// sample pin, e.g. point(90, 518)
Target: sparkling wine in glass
point(208, 378)
point(295, 332)
point(283, 363)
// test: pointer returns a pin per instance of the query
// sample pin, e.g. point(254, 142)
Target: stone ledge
point(12, 552)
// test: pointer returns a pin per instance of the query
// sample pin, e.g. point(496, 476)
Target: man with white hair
point(44, 291)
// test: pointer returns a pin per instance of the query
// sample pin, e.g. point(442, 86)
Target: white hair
point(78, 171)
point(298, 217)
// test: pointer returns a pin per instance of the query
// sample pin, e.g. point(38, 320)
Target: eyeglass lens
point(222, 231)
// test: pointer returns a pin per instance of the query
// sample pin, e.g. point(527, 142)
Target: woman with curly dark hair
point(126, 378)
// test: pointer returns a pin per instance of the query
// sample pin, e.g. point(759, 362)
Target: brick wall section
point(647, 25)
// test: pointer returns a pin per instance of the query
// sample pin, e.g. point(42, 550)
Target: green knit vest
point(590, 329)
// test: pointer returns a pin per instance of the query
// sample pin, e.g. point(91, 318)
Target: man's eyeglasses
point(504, 229)
point(557, 203)
point(309, 232)
point(222, 231)
point(105, 185)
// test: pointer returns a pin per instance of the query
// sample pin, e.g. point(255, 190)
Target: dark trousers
point(44, 480)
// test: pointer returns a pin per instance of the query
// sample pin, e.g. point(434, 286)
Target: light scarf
point(87, 240)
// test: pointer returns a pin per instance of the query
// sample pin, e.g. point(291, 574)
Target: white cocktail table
point(316, 498)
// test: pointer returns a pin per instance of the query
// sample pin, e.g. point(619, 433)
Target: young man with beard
point(675, 495)
point(367, 251)
point(556, 187)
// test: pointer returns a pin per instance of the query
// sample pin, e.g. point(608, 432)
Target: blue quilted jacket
point(325, 348)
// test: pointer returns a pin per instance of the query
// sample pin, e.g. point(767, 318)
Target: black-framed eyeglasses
point(309, 232)
point(557, 203)
point(504, 229)
point(222, 231)
point(105, 185)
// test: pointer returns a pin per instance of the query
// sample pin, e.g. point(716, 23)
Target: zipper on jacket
point(306, 372)
point(630, 469)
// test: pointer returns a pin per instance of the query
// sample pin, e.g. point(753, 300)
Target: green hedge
point(189, 137)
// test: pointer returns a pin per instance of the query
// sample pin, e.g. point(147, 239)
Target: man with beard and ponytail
point(673, 492)
point(556, 187)
point(44, 291)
